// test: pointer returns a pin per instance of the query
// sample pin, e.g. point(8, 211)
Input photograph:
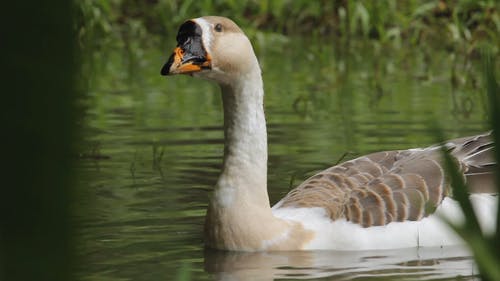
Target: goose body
point(384, 200)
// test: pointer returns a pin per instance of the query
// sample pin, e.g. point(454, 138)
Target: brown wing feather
point(479, 164)
point(392, 185)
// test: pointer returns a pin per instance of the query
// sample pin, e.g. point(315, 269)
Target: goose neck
point(245, 148)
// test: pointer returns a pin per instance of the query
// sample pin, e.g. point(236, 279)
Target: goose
point(384, 200)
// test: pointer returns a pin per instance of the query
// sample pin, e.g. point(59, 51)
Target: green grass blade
point(459, 188)
point(494, 101)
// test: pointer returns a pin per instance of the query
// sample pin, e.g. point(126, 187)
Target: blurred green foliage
point(461, 25)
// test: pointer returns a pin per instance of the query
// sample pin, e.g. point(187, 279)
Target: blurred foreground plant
point(39, 133)
point(485, 248)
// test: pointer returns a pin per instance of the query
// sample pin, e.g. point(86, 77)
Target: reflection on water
point(403, 264)
point(153, 151)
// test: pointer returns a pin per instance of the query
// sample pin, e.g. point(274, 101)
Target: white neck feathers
point(245, 150)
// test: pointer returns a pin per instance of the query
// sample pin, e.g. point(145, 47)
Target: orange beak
point(182, 65)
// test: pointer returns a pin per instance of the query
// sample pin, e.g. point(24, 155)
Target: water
point(153, 146)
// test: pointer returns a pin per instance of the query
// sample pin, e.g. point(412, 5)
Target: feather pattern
point(403, 185)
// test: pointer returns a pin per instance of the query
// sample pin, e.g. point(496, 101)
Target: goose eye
point(218, 27)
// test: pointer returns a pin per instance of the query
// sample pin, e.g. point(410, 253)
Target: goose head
point(213, 48)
